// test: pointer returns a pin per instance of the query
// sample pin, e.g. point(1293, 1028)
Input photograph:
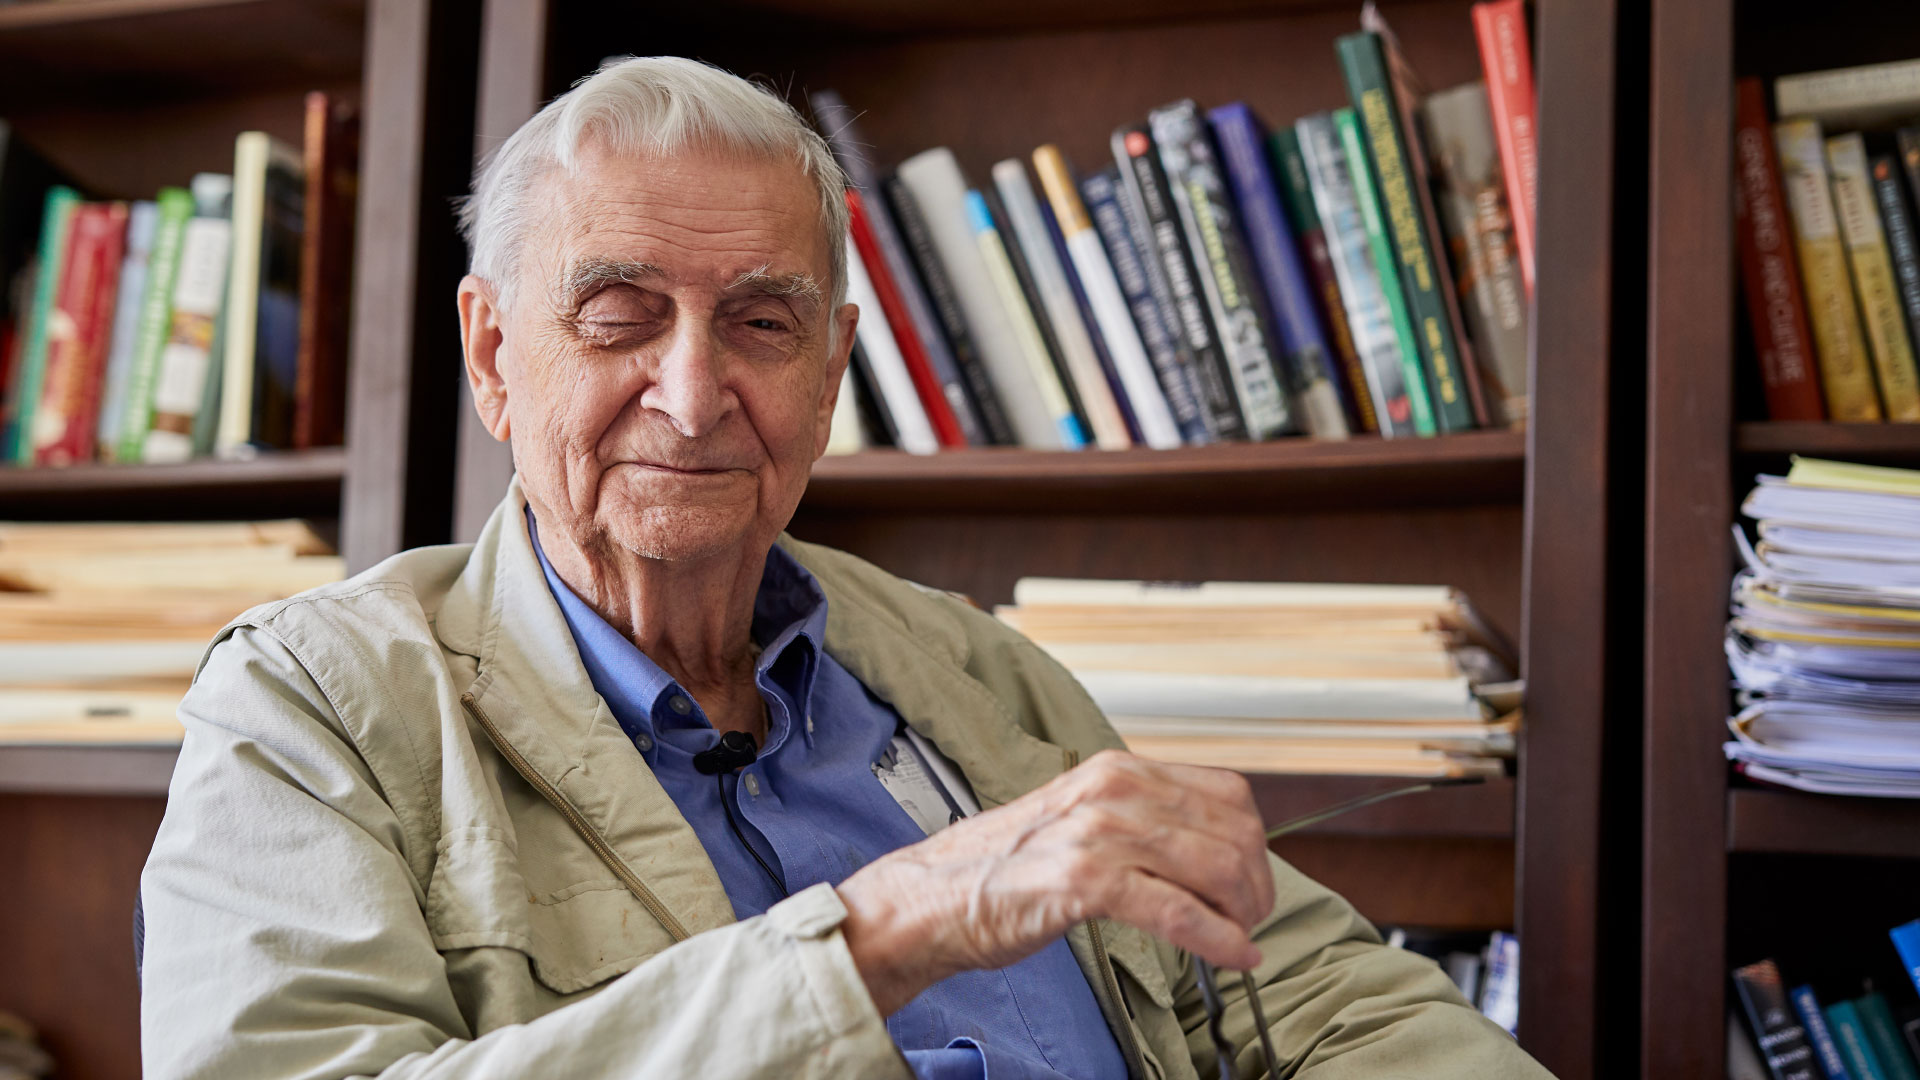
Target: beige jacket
point(406, 839)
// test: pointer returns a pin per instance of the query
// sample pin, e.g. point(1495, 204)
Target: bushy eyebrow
point(589, 274)
point(760, 280)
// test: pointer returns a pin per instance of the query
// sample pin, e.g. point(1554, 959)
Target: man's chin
point(680, 533)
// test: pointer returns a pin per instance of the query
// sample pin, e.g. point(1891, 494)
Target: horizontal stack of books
point(102, 626)
point(1861, 1033)
point(1825, 636)
point(1374, 680)
point(211, 319)
point(1360, 271)
point(1830, 263)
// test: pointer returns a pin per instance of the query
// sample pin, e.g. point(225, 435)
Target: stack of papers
point(1824, 642)
point(102, 626)
point(1378, 680)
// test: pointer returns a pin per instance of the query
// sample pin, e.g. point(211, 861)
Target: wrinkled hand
point(1175, 850)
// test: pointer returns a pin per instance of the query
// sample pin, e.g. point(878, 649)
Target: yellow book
point(1866, 242)
point(1847, 476)
point(1844, 374)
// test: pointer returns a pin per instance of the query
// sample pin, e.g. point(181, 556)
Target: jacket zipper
point(579, 822)
point(1136, 1061)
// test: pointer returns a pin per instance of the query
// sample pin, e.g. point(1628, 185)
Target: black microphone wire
point(726, 807)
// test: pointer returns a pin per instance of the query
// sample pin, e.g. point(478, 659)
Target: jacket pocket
point(574, 936)
point(1135, 954)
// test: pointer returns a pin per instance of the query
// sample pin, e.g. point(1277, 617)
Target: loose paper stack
point(1385, 680)
point(1825, 637)
point(101, 626)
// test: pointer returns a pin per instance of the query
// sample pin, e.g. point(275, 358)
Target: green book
point(1850, 1034)
point(28, 380)
point(155, 320)
point(1884, 1036)
point(1363, 193)
point(1364, 66)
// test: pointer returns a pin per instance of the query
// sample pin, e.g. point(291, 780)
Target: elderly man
point(636, 786)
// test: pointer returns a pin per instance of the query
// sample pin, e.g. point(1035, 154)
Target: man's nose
point(689, 384)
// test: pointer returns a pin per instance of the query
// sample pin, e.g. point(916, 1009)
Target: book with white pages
point(1838, 543)
point(1464, 738)
point(1157, 694)
point(1082, 592)
point(1775, 499)
point(892, 381)
point(1765, 667)
point(1257, 657)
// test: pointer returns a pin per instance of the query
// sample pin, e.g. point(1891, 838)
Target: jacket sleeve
point(286, 936)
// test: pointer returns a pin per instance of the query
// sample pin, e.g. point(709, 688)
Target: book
point(1782, 1041)
point(892, 311)
point(1500, 29)
point(875, 424)
point(1031, 307)
point(838, 123)
point(939, 192)
point(1414, 382)
point(174, 209)
point(1903, 243)
point(1743, 1061)
point(186, 366)
point(846, 435)
point(1770, 280)
point(1013, 303)
point(1296, 197)
point(29, 372)
point(1202, 377)
point(1806, 1005)
point(1306, 362)
point(945, 303)
point(1091, 321)
point(1906, 942)
point(1845, 376)
point(888, 369)
point(1109, 302)
point(262, 325)
point(331, 163)
point(1852, 97)
point(1398, 175)
point(1477, 223)
point(1850, 1035)
point(1884, 1036)
point(25, 176)
point(1873, 280)
point(143, 222)
point(67, 417)
point(1224, 268)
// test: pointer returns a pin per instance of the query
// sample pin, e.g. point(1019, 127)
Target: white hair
point(651, 105)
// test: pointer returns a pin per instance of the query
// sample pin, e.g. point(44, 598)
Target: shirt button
point(753, 785)
point(645, 744)
point(679, 703)
point(809, 723)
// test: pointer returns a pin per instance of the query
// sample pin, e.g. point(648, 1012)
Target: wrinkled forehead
point(692, 217)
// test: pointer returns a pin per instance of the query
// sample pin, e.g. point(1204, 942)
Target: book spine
point(274, 390)
point(1855, 96)
point(1884, 1036)
point(1306, 362)
point(1477, 229)
point(1296, 196)
point(186, 361)
point(1386, 271)
point(1850, 1035)
point(1783, 1042)
point(1201, 200)
point(156, 310)
point(1896, 219)
point(142, 221)
point(897, 394)
point(234, 427)
point(946, 427)
point(1910, 1031)
point(1033, 310)
point(1879, 294)
point(30, 376)
point(1772, 282)
point(1906, 942)
point(845, 434)
point(1091, 321)
point(1838, 341)
point(1155, 225)
point(1090, 262)
point(945, 302)
point(1391, 160)
point(1500, 26)
point(1052, 396)
point(67, 417)
point(332, 149)
point(1807, 1006)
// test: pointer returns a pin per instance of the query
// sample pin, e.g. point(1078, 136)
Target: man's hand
point(1175, 850)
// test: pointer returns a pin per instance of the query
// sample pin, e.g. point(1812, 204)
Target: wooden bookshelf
point(303, 484)
point(1847, 442)
point(86, 770)
point(1794, 822)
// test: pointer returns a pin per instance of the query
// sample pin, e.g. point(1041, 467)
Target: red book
point(1501, 28)
point(945, 426)
point(1768, 270)
point(64, 426)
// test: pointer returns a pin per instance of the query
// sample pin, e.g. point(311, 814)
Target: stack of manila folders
point(1824, 642)
point(1371, 680)
point(102, 625)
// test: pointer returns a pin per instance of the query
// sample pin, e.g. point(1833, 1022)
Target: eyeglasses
point(1203, 971)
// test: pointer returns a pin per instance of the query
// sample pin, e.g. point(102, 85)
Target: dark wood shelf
point(86, 770)
point(1817, 438)
point(81, 51)
point(1794, 822)
point(1475, 468)
point(302, 484)
point(1475, 812)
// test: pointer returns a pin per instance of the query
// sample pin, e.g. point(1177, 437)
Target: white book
point(888, 368)
point(42, 662)
point(845, 437)
point(934, 180)
point(1854, 97)
point(1062, 310)
point(199, 287)
point(1080, 592)
point(1013, 301)
point(143, 220)
point(1137, 693)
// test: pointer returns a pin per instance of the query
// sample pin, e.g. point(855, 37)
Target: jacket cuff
point(812, 918)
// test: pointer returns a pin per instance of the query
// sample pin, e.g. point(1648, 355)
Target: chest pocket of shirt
point(575, 933)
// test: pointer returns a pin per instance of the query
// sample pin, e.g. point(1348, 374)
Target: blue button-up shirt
point(814, 809)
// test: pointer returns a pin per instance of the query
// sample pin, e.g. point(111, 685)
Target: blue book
point(1311, 369)
point(1851, 1037)
point(1906, 940)
point(1877, 1019)
point(1815, 1021)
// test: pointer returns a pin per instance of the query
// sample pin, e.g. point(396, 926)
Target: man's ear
point(844, 322)
point(481, 338)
